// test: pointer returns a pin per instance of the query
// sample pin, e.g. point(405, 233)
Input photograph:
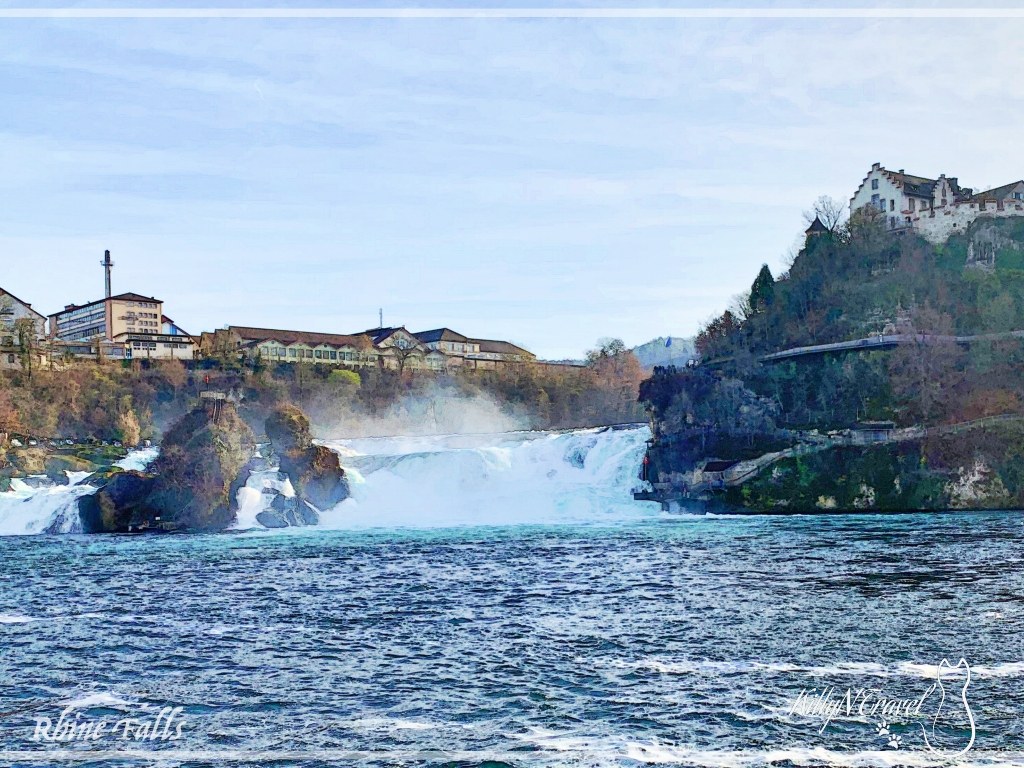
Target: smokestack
point(107, 265)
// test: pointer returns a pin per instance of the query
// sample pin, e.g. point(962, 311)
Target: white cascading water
point(517, 478)
point(512, 478)
point(27, 510)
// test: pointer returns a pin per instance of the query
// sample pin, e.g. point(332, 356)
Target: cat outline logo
point(943, 668)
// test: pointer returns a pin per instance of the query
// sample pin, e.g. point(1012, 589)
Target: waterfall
point(514, 478)
point(509, 478)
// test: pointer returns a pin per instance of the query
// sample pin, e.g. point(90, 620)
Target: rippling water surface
point(663, 640)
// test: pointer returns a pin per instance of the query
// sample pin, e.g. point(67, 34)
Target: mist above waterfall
point(435, 410)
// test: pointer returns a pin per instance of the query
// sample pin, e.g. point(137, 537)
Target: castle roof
point(916, 186)
point(816, 227)
point(999, 193)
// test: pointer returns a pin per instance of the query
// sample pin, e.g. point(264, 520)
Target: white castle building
point(935, 208)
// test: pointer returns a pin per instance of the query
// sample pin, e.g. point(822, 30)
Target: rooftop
point(23, 303)
point(501, 347)
point(249, 334)
point(440, 334)
point(998, 193)
point(118, 297)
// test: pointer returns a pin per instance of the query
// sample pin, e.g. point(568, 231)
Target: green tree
point(762, 292)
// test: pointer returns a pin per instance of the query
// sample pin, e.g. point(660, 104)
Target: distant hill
point(655, 352)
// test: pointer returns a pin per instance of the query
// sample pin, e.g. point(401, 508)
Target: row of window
point(153, 345)
point(313, 354)
point(454, 346)
point(80, 333)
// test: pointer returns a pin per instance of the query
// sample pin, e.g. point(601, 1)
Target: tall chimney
point(107, 265)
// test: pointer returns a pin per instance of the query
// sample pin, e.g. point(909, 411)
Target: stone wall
point(936, 226)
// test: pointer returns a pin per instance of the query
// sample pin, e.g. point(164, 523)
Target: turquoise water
point(660, 640)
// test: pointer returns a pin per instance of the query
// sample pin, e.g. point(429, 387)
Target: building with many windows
point(126, 326)
point(389, 348)
point(462, 351)
point(274, 345)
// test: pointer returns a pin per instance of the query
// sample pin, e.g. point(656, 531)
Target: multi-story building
point(21, 330)
point(274, 345)
point(126, 326)
point(934, 208)
point(399, 349)
point(463, 351)
point(390, 348)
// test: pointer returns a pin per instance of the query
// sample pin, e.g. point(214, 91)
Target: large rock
point(120, 505)
point(314, 471)
point(28, 461)
point(201, 457)
point(191, 482)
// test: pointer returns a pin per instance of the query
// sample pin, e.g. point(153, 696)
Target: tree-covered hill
point(938, 347)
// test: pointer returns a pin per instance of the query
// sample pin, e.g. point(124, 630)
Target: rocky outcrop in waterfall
point(314, 471)
point(189, 487)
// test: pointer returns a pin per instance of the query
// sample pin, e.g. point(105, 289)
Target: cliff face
point(916, 337)
point(980, 468)
point(189, 487)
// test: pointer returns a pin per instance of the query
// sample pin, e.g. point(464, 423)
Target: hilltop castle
point(934, 208)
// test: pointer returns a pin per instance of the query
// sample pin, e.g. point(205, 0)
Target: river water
point(498, 599)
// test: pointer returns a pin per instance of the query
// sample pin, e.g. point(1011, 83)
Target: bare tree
point(25, 331)
point(403, 352)
point(829, 211)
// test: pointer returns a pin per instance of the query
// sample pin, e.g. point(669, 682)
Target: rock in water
point(190, 486)
point(119, 505)
point(314, 471)
point(58, 466)
point(200, 458)
point(288, 511)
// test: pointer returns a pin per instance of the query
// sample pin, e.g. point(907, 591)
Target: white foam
point(25, 510)
point(390, 723)
point(513, 478)
point(257, 495)
point(97, 700)
point(9, 619)
point(847, 669)
point(531, 478)
point(613, 750)
point(138, 459)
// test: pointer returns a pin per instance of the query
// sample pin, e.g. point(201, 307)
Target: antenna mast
point(380, 317)
point(107, 265)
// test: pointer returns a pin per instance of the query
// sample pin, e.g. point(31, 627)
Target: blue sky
point(546, 181)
